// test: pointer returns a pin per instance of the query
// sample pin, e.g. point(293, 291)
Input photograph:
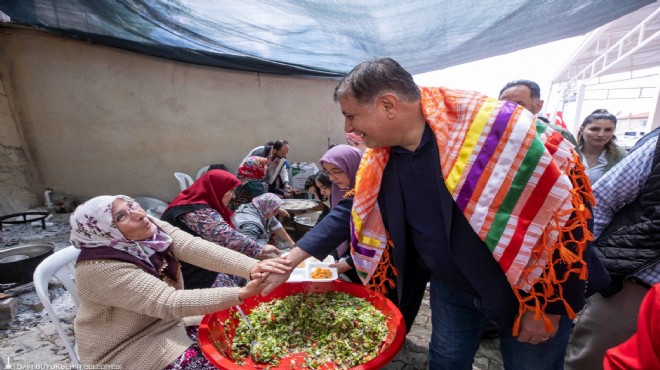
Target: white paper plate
point(312, 266)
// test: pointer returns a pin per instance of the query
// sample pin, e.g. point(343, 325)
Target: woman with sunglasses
point(130, 286)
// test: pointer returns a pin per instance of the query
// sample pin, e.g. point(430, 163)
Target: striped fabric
point(507, 174)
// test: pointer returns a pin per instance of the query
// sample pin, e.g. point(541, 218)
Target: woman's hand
point(269, 251)
point(252, 288)
point(341, 266)
point(277, 265)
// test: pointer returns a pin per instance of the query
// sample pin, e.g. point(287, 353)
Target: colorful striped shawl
point(512, 179)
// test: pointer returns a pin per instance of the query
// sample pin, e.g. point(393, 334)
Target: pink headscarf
point(354, 138)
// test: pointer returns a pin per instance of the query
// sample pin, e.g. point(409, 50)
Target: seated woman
point(201, 210)
point(130, 286)
point(257, 220)
point(252, 174)
point(341, 163)
point(596, 143)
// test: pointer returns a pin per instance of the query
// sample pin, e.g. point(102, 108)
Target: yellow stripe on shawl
point(471, 139)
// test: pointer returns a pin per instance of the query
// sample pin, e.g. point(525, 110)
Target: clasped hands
point(269, 274)
point(533, 331)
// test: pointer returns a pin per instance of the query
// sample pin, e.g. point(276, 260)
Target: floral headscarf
point(209, 189)
point(347, 159)
point(267, 203)
point(254, 168)
point(92, 227)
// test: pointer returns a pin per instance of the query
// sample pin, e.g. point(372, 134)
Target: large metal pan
point(18, 263)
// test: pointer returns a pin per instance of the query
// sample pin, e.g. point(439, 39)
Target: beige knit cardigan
point(131, 318)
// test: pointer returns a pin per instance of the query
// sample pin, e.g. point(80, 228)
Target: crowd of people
point(512, 223)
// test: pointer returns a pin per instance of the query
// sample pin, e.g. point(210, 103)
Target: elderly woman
point(596, 143)
point(257, 221)
point(252, 174)
point(202, 210)
point(130, 286)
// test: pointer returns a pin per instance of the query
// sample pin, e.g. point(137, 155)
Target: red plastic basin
point(215, 339)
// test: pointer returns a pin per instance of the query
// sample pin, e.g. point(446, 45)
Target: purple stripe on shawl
point(364, 251)
point(357, 248)
point(485, 154)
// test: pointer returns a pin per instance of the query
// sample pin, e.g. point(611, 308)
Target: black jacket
point(631, 242)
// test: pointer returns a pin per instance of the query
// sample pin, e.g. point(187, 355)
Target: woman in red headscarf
point(202, 210)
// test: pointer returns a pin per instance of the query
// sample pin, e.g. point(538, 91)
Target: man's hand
point(287, 188)
point(274, 280)
point(272, 266)
point(532, 331)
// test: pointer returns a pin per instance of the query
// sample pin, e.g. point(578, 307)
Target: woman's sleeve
point(124, 285)
point(210, 225)
point(253, 231)
point(208, 255)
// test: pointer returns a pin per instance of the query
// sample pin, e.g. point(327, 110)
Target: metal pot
point(16, 268)
point(304, 222)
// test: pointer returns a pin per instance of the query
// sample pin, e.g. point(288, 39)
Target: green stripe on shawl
point(520, 180)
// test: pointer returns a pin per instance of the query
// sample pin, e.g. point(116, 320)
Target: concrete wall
point(98, 120)
point(17, 185)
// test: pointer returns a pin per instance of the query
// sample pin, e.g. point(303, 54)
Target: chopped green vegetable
point(331, 327)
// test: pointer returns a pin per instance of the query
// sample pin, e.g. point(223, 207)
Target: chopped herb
point(331, 327)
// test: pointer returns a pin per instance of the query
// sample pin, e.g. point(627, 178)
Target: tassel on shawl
point(543, 288)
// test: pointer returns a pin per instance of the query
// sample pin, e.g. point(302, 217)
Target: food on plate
point(333, 327)
point(321, 273)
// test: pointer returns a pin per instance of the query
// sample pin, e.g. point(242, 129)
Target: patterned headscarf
point(209, 189)
point(267, 203)
point(254, 168)
point(92, 227)
point(347, 159)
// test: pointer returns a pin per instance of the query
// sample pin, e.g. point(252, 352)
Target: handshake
point(268, 274)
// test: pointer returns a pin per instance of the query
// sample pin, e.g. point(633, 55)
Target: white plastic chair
point(202, 171)
point(60, 264)
point(184, 180)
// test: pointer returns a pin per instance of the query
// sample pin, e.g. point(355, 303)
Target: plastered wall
point(97, 120)
point(17, 185)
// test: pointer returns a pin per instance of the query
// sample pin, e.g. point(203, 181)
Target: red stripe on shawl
point(529, 211)
point(553, 142)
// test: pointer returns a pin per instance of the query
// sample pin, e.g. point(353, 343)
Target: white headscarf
point(92, 227)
